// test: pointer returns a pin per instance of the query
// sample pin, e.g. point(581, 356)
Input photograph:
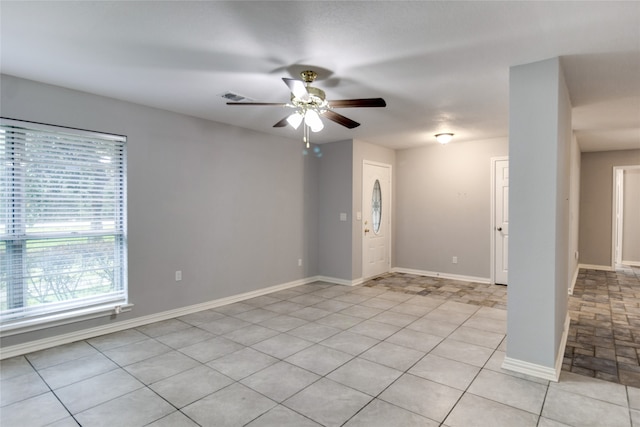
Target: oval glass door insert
point(376, 207)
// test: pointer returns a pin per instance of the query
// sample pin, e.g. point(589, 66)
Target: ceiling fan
point(310, 104)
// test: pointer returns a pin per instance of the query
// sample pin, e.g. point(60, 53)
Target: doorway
point(626, 208)
point(499, 220)
point(376, 219)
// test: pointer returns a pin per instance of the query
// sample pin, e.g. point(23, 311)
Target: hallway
point(604, 336)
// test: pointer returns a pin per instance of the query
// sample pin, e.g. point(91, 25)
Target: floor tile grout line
point(123, 368)
point(174, 349)
point(233, 382)
point(94, 376)
point(466, 390)
point(544, 400)
point(353, 357)
point(51, 390)
point(285, 361)
point(406, 372)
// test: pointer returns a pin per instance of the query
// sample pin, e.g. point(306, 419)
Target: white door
point(501, 221)
point(376, 219)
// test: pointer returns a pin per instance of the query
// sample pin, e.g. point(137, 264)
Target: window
point(63, 240)
point(376, 207)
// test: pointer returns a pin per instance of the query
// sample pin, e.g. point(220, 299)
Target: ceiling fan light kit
point(310, 104)
point(444, 138)
point(295, 119)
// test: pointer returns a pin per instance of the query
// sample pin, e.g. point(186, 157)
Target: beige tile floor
point(314, 355)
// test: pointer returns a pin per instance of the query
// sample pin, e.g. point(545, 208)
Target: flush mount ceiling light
point(444, 138)
point(310, 104)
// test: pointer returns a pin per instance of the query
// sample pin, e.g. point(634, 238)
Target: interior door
point(376, 219)
point(501, 221)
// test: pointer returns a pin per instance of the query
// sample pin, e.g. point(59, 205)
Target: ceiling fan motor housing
point(317, 98)
point(308, 76)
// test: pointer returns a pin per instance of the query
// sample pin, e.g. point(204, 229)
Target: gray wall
point(539, 169)
point(596, 201)
point(206, 198)
point(334, 238)
point(631, 217)
point(444, 206)
point(340, 243)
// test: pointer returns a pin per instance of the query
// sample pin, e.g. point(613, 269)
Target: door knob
point(499, 228)
point(366, 230)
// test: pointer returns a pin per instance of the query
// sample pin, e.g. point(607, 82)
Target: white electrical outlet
point(178, 275)
point(454, 260)
point(299, 262)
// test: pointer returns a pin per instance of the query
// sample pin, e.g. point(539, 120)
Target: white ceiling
point(441, 66)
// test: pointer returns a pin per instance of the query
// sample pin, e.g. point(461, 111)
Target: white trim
point(337, 281)
point(475, 279)
point(574, 280)
point(616, 215)
point(390, 223)
point(596, 267)
point(563, 345)
point(617, 223)
point(492, 257)
point(532, 369)
point(41, 344)
point(58, 319)
point(540, 371)
point(631, 263)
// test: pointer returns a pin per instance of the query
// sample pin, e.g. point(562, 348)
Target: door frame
point(617, 213)
point(492, 273)
point(365, 200)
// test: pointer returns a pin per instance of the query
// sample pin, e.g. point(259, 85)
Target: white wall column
point(539, 166)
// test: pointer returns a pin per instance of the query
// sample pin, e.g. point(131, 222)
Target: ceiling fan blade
point(275, 104)
point(297, 88)
point(340, 119)
point(357, 103)
point(282, 123)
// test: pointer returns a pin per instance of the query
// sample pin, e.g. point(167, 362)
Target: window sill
point(59, 319)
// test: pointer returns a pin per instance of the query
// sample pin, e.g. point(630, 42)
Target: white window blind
point(63, 240)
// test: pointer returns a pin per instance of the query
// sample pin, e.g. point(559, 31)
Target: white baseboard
point(574, 280)
point(631, 263)
point(41, 344)
point(540, 371)
point(337, 281)
point(596, 267)
point(532, 369)
point(485, 280)
point(563, 345)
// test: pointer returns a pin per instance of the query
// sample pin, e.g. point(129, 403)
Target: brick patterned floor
point(468, 292)
point(604, 335)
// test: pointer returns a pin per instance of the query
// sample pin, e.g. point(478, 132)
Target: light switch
point(359, 216)
point(343, 216)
